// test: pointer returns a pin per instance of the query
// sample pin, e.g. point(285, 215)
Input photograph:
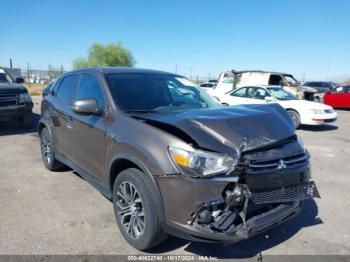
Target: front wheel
point(295, 117)
point(136, 209)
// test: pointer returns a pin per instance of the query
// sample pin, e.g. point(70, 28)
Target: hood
point(307, 89)
point(229, 130)
point(12, 88)
point(305, 104)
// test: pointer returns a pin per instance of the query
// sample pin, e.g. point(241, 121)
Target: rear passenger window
point(66, 88)
point(89, 88)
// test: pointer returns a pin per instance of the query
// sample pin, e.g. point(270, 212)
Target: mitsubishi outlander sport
point(172, 159)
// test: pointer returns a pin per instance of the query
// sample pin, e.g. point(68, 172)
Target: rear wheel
point(295, 117)
point(47, 153)
point(26, 119)
point(136, 209)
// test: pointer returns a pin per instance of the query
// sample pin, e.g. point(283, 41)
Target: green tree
point(105, 55)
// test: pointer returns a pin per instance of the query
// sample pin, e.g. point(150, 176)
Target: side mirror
point(269, 99)
point(86, 107)
point(19, 80)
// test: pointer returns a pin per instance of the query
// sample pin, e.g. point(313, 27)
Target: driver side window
point(240, 92)
point(89, 88)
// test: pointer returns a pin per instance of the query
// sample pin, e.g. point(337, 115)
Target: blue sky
point(208, 36)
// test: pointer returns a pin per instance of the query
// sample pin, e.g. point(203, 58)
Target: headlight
point(25, 97)
point(200, 163)
point(317, 111)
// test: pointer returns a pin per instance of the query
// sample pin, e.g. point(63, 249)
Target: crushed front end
point(266, 189)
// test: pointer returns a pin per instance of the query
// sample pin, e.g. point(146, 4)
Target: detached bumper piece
point(242, 213)
point(296, 193)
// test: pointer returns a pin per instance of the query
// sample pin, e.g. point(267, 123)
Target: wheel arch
point(293, 109)
point(124, 161)
point(41, 126)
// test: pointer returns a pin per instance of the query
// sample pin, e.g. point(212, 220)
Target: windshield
point(291, 81)
point(4, 78)
point(157, 92)
point(281, 94)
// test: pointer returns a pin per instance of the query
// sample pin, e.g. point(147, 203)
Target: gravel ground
point(42, 212)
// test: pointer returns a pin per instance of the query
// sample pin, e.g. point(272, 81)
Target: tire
point(143, 211)
point(47, 153)
point(26, 120)
point(295, 117)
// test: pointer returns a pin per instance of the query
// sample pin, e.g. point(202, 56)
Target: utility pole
point(176, 69)
point(28, 79)
point(10, 62)
point(191, 72)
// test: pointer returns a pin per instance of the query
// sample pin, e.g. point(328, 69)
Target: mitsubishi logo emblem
point(281, 164)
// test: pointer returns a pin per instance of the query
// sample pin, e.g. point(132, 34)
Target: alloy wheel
point(130, 210)
point(46, 147)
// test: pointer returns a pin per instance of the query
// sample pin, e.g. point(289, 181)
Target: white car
point(302, 111)
point(208, 85)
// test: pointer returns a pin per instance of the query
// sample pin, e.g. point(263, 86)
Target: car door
point(87, 134)
point(346, 102)
point(343, 97)
point(236, 97)
point(58, 105)
point(335, 97)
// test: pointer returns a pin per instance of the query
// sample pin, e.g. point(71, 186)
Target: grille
point(288, 194)
point(8, 99)
point(276, 164)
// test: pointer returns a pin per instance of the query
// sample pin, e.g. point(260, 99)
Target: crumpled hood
point(12, 88)
point(230, 130)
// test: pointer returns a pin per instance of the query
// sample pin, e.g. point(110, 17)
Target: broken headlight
point(200, 163)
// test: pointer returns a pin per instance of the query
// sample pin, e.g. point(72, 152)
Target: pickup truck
point(15, 101)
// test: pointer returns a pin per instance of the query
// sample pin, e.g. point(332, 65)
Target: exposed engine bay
point(239, 205)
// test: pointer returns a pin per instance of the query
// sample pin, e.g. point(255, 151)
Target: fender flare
point(145, 170)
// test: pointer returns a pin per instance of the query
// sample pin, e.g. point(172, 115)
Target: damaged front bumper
point(227, 211)
point(251, 227)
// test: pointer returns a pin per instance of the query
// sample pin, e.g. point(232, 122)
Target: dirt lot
point(59, 213)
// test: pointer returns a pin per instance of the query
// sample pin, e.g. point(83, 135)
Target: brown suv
point(171, 158)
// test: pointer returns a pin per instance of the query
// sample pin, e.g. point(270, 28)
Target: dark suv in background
point(321, 87)
point(171, 158)
point(15, 101)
